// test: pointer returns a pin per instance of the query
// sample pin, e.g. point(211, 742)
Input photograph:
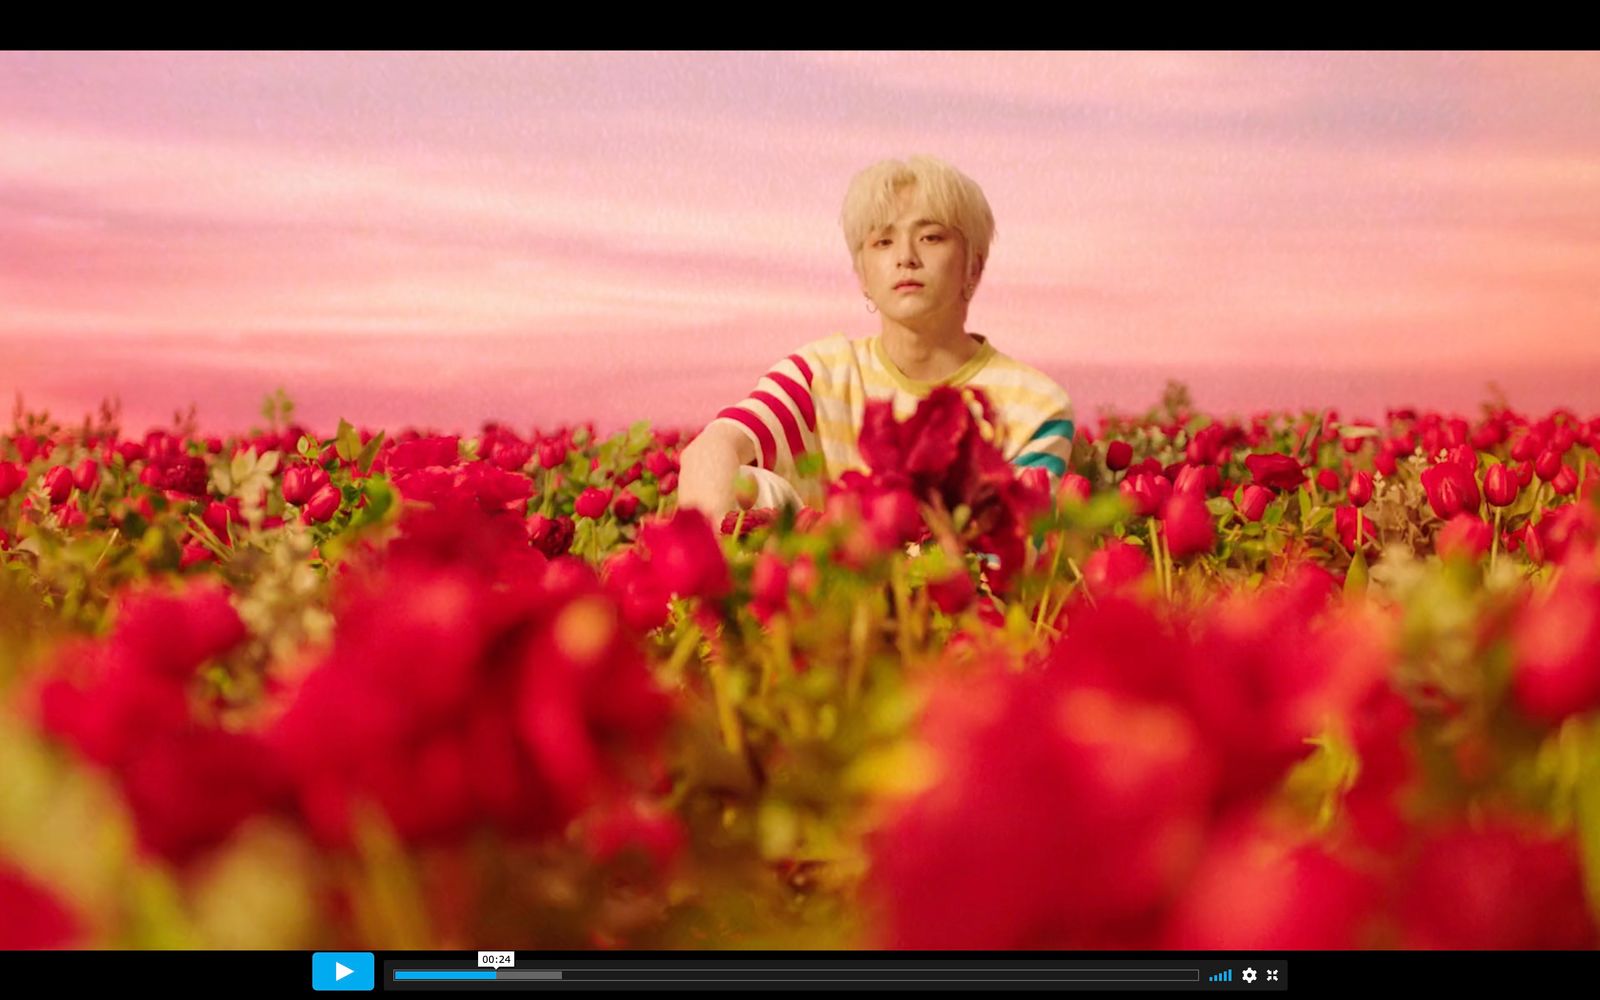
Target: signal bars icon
point(1226, 976)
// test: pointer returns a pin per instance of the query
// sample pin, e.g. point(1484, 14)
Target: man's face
point(916, 248)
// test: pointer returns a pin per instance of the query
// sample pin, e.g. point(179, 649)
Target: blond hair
point(950, 196)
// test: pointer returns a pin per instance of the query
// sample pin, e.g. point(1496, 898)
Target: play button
point(342, 970)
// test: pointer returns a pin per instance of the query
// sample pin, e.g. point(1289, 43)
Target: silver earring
point(871, 306)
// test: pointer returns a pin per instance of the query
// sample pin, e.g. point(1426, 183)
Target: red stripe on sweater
point(769, 447)
point(791, 429)
point(801, 397)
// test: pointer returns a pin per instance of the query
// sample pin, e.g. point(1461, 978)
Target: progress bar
point(1154, 974)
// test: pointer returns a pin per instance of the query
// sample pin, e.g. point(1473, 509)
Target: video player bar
point(539, 972)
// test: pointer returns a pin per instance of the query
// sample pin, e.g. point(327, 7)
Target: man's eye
point(933, 236)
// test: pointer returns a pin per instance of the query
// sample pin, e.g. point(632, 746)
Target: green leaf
point(1355, 580)
point(305, 446)
point(348, 442)
point(1219, 506)
point(1274, 513)
point(1305, 506)
point(380, 496)
point(370, 452)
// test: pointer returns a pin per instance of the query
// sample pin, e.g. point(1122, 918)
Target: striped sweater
point(813, 402)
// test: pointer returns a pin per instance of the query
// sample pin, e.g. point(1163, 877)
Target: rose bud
point(71, 515)
point(323, 504)
point(86, 475)
point(1384, 462)
point(552, 453)
point(217, 518)
point(1118, 455)
point(1547, 464)
point(1464, 534)
point(1563, 439)
point(12, 476)
point(625, 506)
point(1464, 456)
point(954, 593)
point(1524, 473)
point(630, 475)
point(1187, 525)
point(1451, 489)
point(1253, 501)
point(1361, 489)
point(1328, 480)
point(1500, 485)
point(669, 483)
point(1565, 481)
point(1116, 565)
point(1281, 471)
point(1191, 480)
point(1146, 492)
point(659, 463)
point(58, 482)
point(1527, 446)
point(592, 502)
point(301, 481)
point(1074, 488)
point(1348, 521)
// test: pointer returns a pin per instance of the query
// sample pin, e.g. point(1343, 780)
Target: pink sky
point(450, 237)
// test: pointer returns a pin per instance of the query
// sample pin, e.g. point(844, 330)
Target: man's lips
point(908, 284)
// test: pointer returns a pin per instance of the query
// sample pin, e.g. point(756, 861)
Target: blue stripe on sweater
point(1050, 427)
point(1033, 458)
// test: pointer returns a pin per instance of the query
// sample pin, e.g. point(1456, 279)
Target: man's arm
point(709, 466)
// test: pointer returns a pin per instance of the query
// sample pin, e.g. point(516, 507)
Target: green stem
point(1044, 599)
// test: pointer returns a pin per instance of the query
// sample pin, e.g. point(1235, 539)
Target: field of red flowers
point(1283, 682)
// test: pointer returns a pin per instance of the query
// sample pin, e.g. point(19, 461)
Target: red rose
point(1115, 565)
point(322, 505)
point(1187, 525)
point(1277, 471)
point(1556, 649)
point(1360, 489)
point(1074, 485)
point(552, 453)
point(58, 482)
point(625, 506)
point(1500, 485)
point(12, 476)
point(1146, 492)
point(1328, 480)
point(1451, 489)
point(1345, 520)
point(954, 593)
point(1547, 464)
point(1253, 501)
point(1504, 884)
point(592, 502)
point(301, 481)
point(1466, 535)
point(685, 554)
point(86, 475)
point(1118, 455)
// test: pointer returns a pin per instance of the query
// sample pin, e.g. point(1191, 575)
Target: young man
point(918, 234)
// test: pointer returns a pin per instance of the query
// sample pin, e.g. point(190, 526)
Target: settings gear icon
point(1249, 975)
